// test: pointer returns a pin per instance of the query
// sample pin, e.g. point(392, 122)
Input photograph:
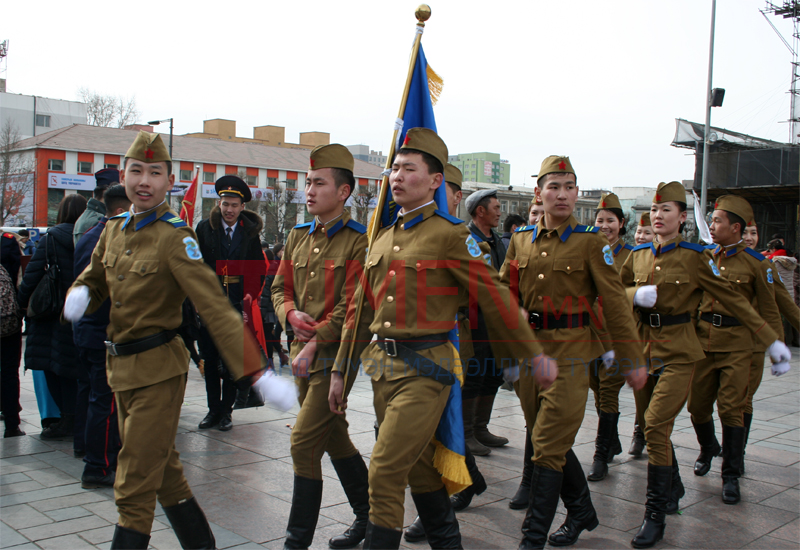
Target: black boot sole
point(591, 527)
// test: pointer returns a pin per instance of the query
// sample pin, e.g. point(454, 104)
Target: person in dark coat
point(11, 341)
point(230, 233)
point(49, 346)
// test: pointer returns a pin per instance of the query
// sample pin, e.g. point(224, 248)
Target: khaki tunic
point(312, 279)
point(563, 272)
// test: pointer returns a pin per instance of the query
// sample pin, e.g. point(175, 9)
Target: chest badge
point(770, 278)
point(192, 249)
point(472, 247)
point(714, 267)
point(608, 256)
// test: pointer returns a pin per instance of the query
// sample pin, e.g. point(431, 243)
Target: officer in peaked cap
point(233, 186)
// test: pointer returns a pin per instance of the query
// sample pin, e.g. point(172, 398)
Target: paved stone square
point(243, 480)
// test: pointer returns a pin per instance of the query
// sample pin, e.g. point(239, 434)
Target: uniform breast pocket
point(676, 278)
point(109, 260)
point(568, 265)
point(739, 278)
point(641, 278)
point(145, 267)
point(332, 264)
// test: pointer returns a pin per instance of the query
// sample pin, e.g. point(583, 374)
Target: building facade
point(221, 129)
point(363, 152)
point(34, 115)
point(483, 167)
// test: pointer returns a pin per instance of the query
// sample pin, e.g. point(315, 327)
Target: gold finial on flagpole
point(423, 13)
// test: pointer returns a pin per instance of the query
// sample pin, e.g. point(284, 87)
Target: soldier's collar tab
point(417, 215)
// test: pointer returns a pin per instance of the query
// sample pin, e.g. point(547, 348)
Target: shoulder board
point(173, 220)
point(641, 246)
point(627, 247)
point(355, 226)
point(585, 229)
point(301, 225)
point(710, 246)
point(754, 254)
point(448, 217)
point(118, 216)
point(691, 246)
point(525, 228)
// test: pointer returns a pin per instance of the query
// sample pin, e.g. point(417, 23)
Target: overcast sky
point(597, 80)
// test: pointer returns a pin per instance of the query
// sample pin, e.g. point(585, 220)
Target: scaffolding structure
point(790, 9)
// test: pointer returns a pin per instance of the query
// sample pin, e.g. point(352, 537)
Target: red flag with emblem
point(189, 200)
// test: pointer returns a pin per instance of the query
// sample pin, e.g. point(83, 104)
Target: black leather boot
point(659, 480)
point(190, 525)
point(306, 500)
point(128, 539)
point(438, 519)
point(542, 505)
point(463, 499)
point(638, 443)
point(677, 492)
point(468, 414)
point(354, 476)
point(709, 447)
point(732, 458)
point(602, 446)
point(520, 500)
point(748, 419)
point(578, 502)
point(615, 447)
point(483, 413)
point(415, 532)
point(381, 538)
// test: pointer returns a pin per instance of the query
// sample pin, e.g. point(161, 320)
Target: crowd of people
point(549, 308)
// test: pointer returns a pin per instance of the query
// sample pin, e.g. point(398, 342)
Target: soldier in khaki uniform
point(147, 262)
point(309, 292)
point(666, 280)
point(561, 268)
point(605, 378)
point(723, 375)
point(536, 211)
point(414, 271)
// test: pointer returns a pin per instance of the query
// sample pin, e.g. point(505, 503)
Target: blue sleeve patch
point(355, 226)
point(192, 249)
point(691, 246)
point(755, 254)
point(472, 247)
point(525, 228)
point(448, 217)
point(770, 278)
point(714, 267)
point(608, 255)
point(641, 246)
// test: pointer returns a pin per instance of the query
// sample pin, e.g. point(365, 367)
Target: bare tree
point(279, 212)
point(107, 110)
point(16, 173)
point(363, 197)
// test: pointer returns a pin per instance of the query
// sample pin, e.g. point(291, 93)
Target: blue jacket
point(90, 332)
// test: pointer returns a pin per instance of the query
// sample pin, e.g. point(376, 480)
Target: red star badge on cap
point(562, 165)
point(603, 204)
point(148, 153)
point(311, 162)
point(658, 197)
point(716, 205)
point(405, 141)
point(230, 188)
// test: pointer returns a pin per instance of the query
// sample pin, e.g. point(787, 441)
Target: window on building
point(43, 121)
point(54, 197)
point(272, 182)
point(111, 166)
point(85, 167)
point(252, 181)
point(186, 175)
point(504, 206)
point(209, 177)
point(291, 184)
point(55, 164)
point(514, 206)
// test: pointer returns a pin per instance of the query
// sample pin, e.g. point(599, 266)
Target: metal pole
point(173, 161)
point(704, 180)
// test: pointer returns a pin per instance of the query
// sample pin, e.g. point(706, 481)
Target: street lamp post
point(156, 123)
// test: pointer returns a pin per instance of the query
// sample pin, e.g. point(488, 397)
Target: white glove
point(608, 359)
point(780, 368)
point(511, 374)
point(276, 391)
point(645, 296)
point(76, 303)
point(778, 352)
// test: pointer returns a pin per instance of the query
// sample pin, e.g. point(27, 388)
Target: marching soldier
point(562, 267)
point(229, 233)
point(605, 379)
point(309, 292)
point(147, 261)
point(644, 231)
point(666, 280)
point(423, 253)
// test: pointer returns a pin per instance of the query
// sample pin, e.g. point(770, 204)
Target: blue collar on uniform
point(334, 228)
point(147, 220)
point(412, 222)
point(567, 232)
point(534, 233)
point(330, 232)
point(620, 246)
point(667, 248)
point(127, 216)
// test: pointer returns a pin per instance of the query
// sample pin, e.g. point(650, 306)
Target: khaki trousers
point(554, 415)
point(756, 373)
point(408, 412)
point(722, 377)
point(668, 398)
point(148, 465)
point(317, 430)
point(642, 398)
point(606, 385)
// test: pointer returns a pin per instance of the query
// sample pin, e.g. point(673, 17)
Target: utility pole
point(706, 134)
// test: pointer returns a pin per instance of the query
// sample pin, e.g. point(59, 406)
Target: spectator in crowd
point(277, 250)
point(49, 346)
point(95, 208)
point(25, 243)
point(513, 221)
point(11, 337)
point(268, 316)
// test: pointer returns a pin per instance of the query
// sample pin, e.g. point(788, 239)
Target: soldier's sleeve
point(94, 276)
point(510, 334)
point(722, 290)
point(359, 335)
point(236, 344)
point(765, 294)
point(627, 278)
point(330, 329)
point(786, 305)
point(617, 308)
point(511, 255)
point(283, 294)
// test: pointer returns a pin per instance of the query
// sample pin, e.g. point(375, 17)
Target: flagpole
point(422, 14)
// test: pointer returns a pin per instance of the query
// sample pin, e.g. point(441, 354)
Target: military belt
point(540, 321)
point(141, 344)
point(720, 320)
point(407, 348)
point(657, 320)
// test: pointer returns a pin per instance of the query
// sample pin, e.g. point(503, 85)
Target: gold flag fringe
point(435, 85)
